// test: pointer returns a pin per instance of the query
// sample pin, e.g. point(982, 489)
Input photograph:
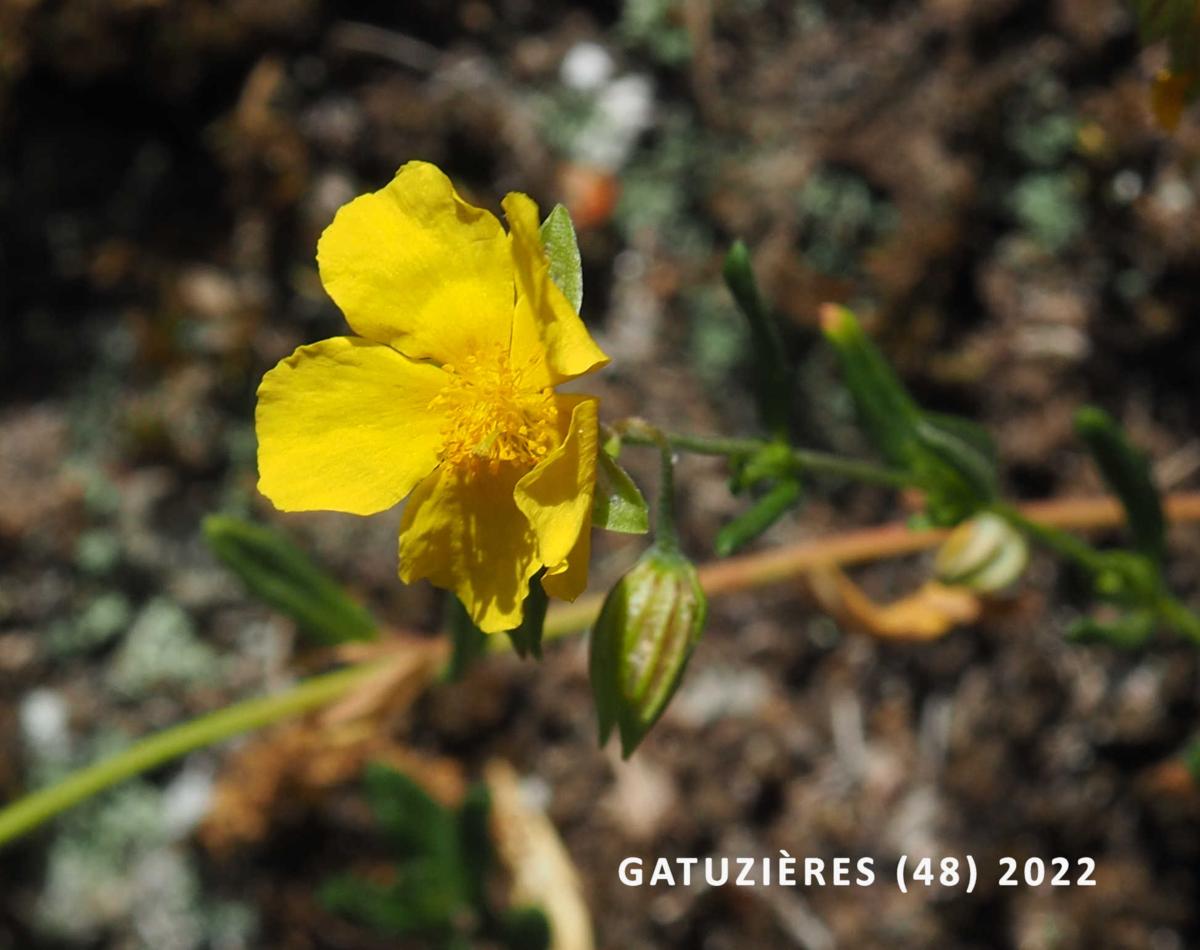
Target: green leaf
point(281, 575)
point(384, 909)
point(1179, 618)
point(1128, 631)
point(475, 842)
point(527, 638)
point(525, 928)
point(467, 641)
point(618, 505)
point(1127, 472)
point(562, 249)
point(773, 378)
point(415, 824)
point(952, 458)
point(947, 450)
point(430, 892)
point(884, 406)
point(765, 512)
point(1191, 760)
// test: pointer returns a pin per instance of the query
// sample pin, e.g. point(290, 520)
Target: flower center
point(492, 419)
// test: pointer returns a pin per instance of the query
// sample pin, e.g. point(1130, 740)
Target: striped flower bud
point(650, 622)
point(984, 553)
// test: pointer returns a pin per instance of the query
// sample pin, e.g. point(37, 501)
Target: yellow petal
point(416, 267)
point(467, 535)
point(556, 496)
point(550, 344)
point(344, 425)
point(568, 580)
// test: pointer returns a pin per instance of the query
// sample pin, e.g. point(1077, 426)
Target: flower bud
point(984, 553)
point(641, 643)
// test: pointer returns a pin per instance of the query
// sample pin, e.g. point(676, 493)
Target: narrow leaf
point(525, 928)
point(946, 440)
point(1127, 471)
point(765, 512)
point(415, 824)
point(562, 248)
point(618, 504)
point(1128, 631)
point(281, 575)
point(773, 379)
point(884, 406)
point(467, 641)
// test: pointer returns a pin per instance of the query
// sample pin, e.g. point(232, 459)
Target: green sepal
point(618, 505)
point(467, 642)
point(527, 638)
point(562, 250)
point(278, 573)
point(1126, 470)
point(773, 388)
point(777, 502)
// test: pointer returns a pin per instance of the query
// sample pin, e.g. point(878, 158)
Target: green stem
point(27, 813)
point(1058, 541)
point(822, 463)
point(641, 432)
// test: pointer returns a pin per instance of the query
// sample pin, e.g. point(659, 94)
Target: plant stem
point(822, 463)
point(28, 812)
point(1064, 544)
point(732, 574)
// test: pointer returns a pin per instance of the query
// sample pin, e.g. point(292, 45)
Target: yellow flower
point(446, 396)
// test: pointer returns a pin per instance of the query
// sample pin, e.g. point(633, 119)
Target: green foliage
point(467, 642)
point(773, 377)
point(278, 573)
point(443, 857)
point(562, 248)
point(527, 638)
point(1191, 760)
point(618, 504)
point(1128, 631)
point(1127, 472)
point(772, 506)
point(951, 459)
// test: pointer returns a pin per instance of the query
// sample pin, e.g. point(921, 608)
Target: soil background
point(981, 179)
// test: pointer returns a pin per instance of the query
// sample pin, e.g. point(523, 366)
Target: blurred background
point(982, 179)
